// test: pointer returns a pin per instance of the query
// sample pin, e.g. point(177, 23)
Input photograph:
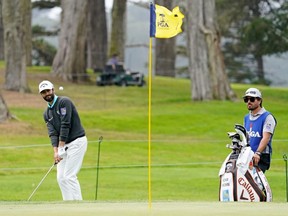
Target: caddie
point(260, 125)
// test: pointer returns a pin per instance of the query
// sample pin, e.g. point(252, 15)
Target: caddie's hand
point(61, 152)
point(256, 159)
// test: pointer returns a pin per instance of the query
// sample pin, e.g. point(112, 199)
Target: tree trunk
point(198, 53)
point(165, 53)
point(28, 35)
point(1, 34)
point(118, 29)
point(260, 69)
point(70, 60)
point(14, 39)
point(208, 77)
point(96, 35)
point(256, 14)
point(4, 113)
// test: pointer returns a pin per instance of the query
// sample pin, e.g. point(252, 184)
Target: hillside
point(188, 141)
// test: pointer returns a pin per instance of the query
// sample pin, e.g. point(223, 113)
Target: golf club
point(258, 168)
point(285, 160)
point(42, 181)
point(97, 167)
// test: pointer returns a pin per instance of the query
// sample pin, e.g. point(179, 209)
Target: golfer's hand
point(57, 159)
point(61, 152)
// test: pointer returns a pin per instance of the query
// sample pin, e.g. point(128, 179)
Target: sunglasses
point(252, 99)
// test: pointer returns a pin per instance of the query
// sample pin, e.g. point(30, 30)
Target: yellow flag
point(165, 23)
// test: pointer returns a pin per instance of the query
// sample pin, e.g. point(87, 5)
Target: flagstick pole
point(149, 123)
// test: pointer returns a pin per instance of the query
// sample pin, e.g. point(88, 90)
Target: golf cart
point(119, 76)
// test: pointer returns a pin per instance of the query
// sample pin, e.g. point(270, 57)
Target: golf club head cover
point(243, 134)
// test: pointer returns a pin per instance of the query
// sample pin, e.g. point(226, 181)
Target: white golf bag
point(240, 180)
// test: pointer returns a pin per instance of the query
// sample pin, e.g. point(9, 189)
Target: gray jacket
point(63, 122)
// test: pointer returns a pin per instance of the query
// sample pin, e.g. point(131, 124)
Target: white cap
point(253, 92)
point(44, 85)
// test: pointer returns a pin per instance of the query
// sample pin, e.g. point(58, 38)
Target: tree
point(44, 4)
point(4, 112)
point(28, 35)
point(266, 33)
point(118, 29)
point(15, 37)
point(206, 66)
point(165, 52)
point(1, 34)
point(252, 30)
point(97, 41)
point(43, 52)
point(70, 60)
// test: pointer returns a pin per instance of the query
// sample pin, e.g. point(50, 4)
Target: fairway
point(139, 209)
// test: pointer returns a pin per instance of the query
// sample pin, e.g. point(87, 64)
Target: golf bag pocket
point(227, 187)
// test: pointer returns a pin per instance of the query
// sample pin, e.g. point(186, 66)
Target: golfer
point(260, 125)
point(67, 138)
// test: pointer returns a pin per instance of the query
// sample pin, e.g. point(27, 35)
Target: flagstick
point(164, 34)
point(149, 123)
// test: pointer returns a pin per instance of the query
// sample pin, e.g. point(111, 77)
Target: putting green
point(141, 209)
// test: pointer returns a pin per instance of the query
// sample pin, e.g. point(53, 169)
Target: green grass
point(168, 208)
point(187, 146)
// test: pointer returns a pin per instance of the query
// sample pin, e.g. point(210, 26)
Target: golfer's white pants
point(69, 167)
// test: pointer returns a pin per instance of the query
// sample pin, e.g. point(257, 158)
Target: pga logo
point(253, 133)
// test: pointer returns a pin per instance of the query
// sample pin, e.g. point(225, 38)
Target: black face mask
point(49, 98)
